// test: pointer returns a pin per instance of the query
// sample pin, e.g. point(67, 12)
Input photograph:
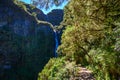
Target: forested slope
point(91, 38)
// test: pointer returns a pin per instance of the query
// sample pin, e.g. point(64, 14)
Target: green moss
point(20, 4)
point(34, 14)
point(32, 7)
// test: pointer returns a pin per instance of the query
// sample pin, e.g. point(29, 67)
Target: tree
point(84, 33)
point(92, 25)
point(47, 3)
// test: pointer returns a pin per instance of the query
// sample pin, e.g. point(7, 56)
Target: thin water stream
point(56, 43)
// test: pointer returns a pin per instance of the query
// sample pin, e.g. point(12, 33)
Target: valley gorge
point(25, 45)
point(77, 40)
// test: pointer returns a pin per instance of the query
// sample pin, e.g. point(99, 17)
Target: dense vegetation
point(57, 69)
point(91, 38)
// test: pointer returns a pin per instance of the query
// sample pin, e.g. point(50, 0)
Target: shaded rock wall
point(55, 16)
point(25, 46)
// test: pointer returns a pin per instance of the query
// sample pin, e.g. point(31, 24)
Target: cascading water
point(56, 43)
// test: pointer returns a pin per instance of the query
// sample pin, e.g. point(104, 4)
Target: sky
point(47, 11)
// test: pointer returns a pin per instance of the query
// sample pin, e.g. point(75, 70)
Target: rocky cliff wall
point(25, 46)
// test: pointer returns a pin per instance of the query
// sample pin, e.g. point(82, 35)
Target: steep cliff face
point(16, 18)
point(25, 46)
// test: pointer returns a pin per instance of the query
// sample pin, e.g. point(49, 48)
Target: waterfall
point(56, 43)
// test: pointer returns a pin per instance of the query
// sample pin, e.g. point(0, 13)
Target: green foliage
point(91, 38)
point(20, 4)
point(92, 35)
point(34, 14)
point(104, 62)
point(32, 7)
point(56, 69)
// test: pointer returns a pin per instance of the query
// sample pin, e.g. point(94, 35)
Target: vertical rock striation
point(25, 45)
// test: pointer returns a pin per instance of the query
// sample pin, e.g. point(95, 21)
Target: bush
point(56, 69)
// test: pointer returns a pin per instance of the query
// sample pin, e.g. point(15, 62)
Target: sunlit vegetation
point(92, 36)
point(57, 69)
point(91, 39)
point(20, 4)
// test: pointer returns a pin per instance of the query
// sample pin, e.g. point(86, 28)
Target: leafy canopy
point(47, 3)
point(93, 25)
